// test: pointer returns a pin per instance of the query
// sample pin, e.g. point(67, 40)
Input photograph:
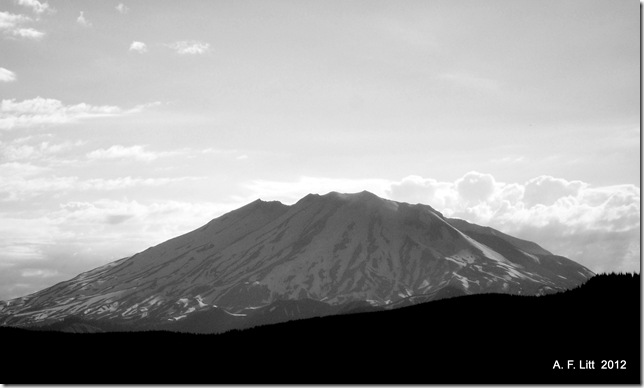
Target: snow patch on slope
point(464, 281)
point(462, 258)
point(533, 257)
point(200, 301)
point(487, 251)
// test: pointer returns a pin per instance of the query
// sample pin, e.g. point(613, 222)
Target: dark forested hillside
point(476, 339)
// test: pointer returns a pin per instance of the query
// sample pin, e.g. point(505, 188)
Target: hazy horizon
point(124, 124)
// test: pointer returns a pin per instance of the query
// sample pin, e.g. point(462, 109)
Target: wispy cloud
point(38, 151)
point(190, 47)
point(510, 159)
point(128, 182)
point(10, 20)
point(29, 33)
point(48, 111)
point(88, 234)
point(135, 152)
point(39, 273)
point(7, 75)
point(12, 25)
point(139, 47)
point(36, 6)
point(122, 8)
point(24, 181)
point(82, 20)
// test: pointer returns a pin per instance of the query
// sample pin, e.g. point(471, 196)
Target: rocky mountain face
point(328, 251)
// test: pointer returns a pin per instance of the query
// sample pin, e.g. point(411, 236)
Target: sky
point(126, 123)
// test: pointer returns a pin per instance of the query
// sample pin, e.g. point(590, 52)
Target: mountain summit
point(335, 248)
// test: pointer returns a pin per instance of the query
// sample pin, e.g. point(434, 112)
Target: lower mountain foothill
point(590, 334)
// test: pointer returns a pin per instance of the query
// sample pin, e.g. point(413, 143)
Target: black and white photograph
point(320, 192)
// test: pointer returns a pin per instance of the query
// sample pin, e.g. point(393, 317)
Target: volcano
point(269, 262)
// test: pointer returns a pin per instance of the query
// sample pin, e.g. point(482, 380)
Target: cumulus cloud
point(413, 189)
point(48, 111)
point(475, 187)
point(190, 47)
point(139, 47)
point(7, 75)
point(122, 8)
point(36, 6)
point(546, 190)
point(82, 20)
point(596, 226)
point(12, 25)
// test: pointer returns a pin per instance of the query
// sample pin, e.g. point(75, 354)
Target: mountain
point(326, 252)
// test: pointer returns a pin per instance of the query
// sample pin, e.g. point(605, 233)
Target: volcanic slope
point(334, 248)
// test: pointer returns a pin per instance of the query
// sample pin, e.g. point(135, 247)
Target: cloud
point(191, 47)
point(136, 152)
point(218, 151)
point(509, 159)
point(23, 170)
point(44, 150)
point(475, 187)
point(139, 47)
point(127, 182)
point(120, 152)
point(413, 189)
point(10, 20)
point(122, 8)
point(115, 219)
point(40, 273)
point(48, 111)
point(85, 235)
point(11, 25)
point(36, 6)
point(547, 190)
point(29, 33)
point(101, 215)
point(82, 21)
point(7, 75)
point(22, 181)
point(596, 226)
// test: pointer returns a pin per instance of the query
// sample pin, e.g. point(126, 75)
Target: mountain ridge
point(334, 248)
